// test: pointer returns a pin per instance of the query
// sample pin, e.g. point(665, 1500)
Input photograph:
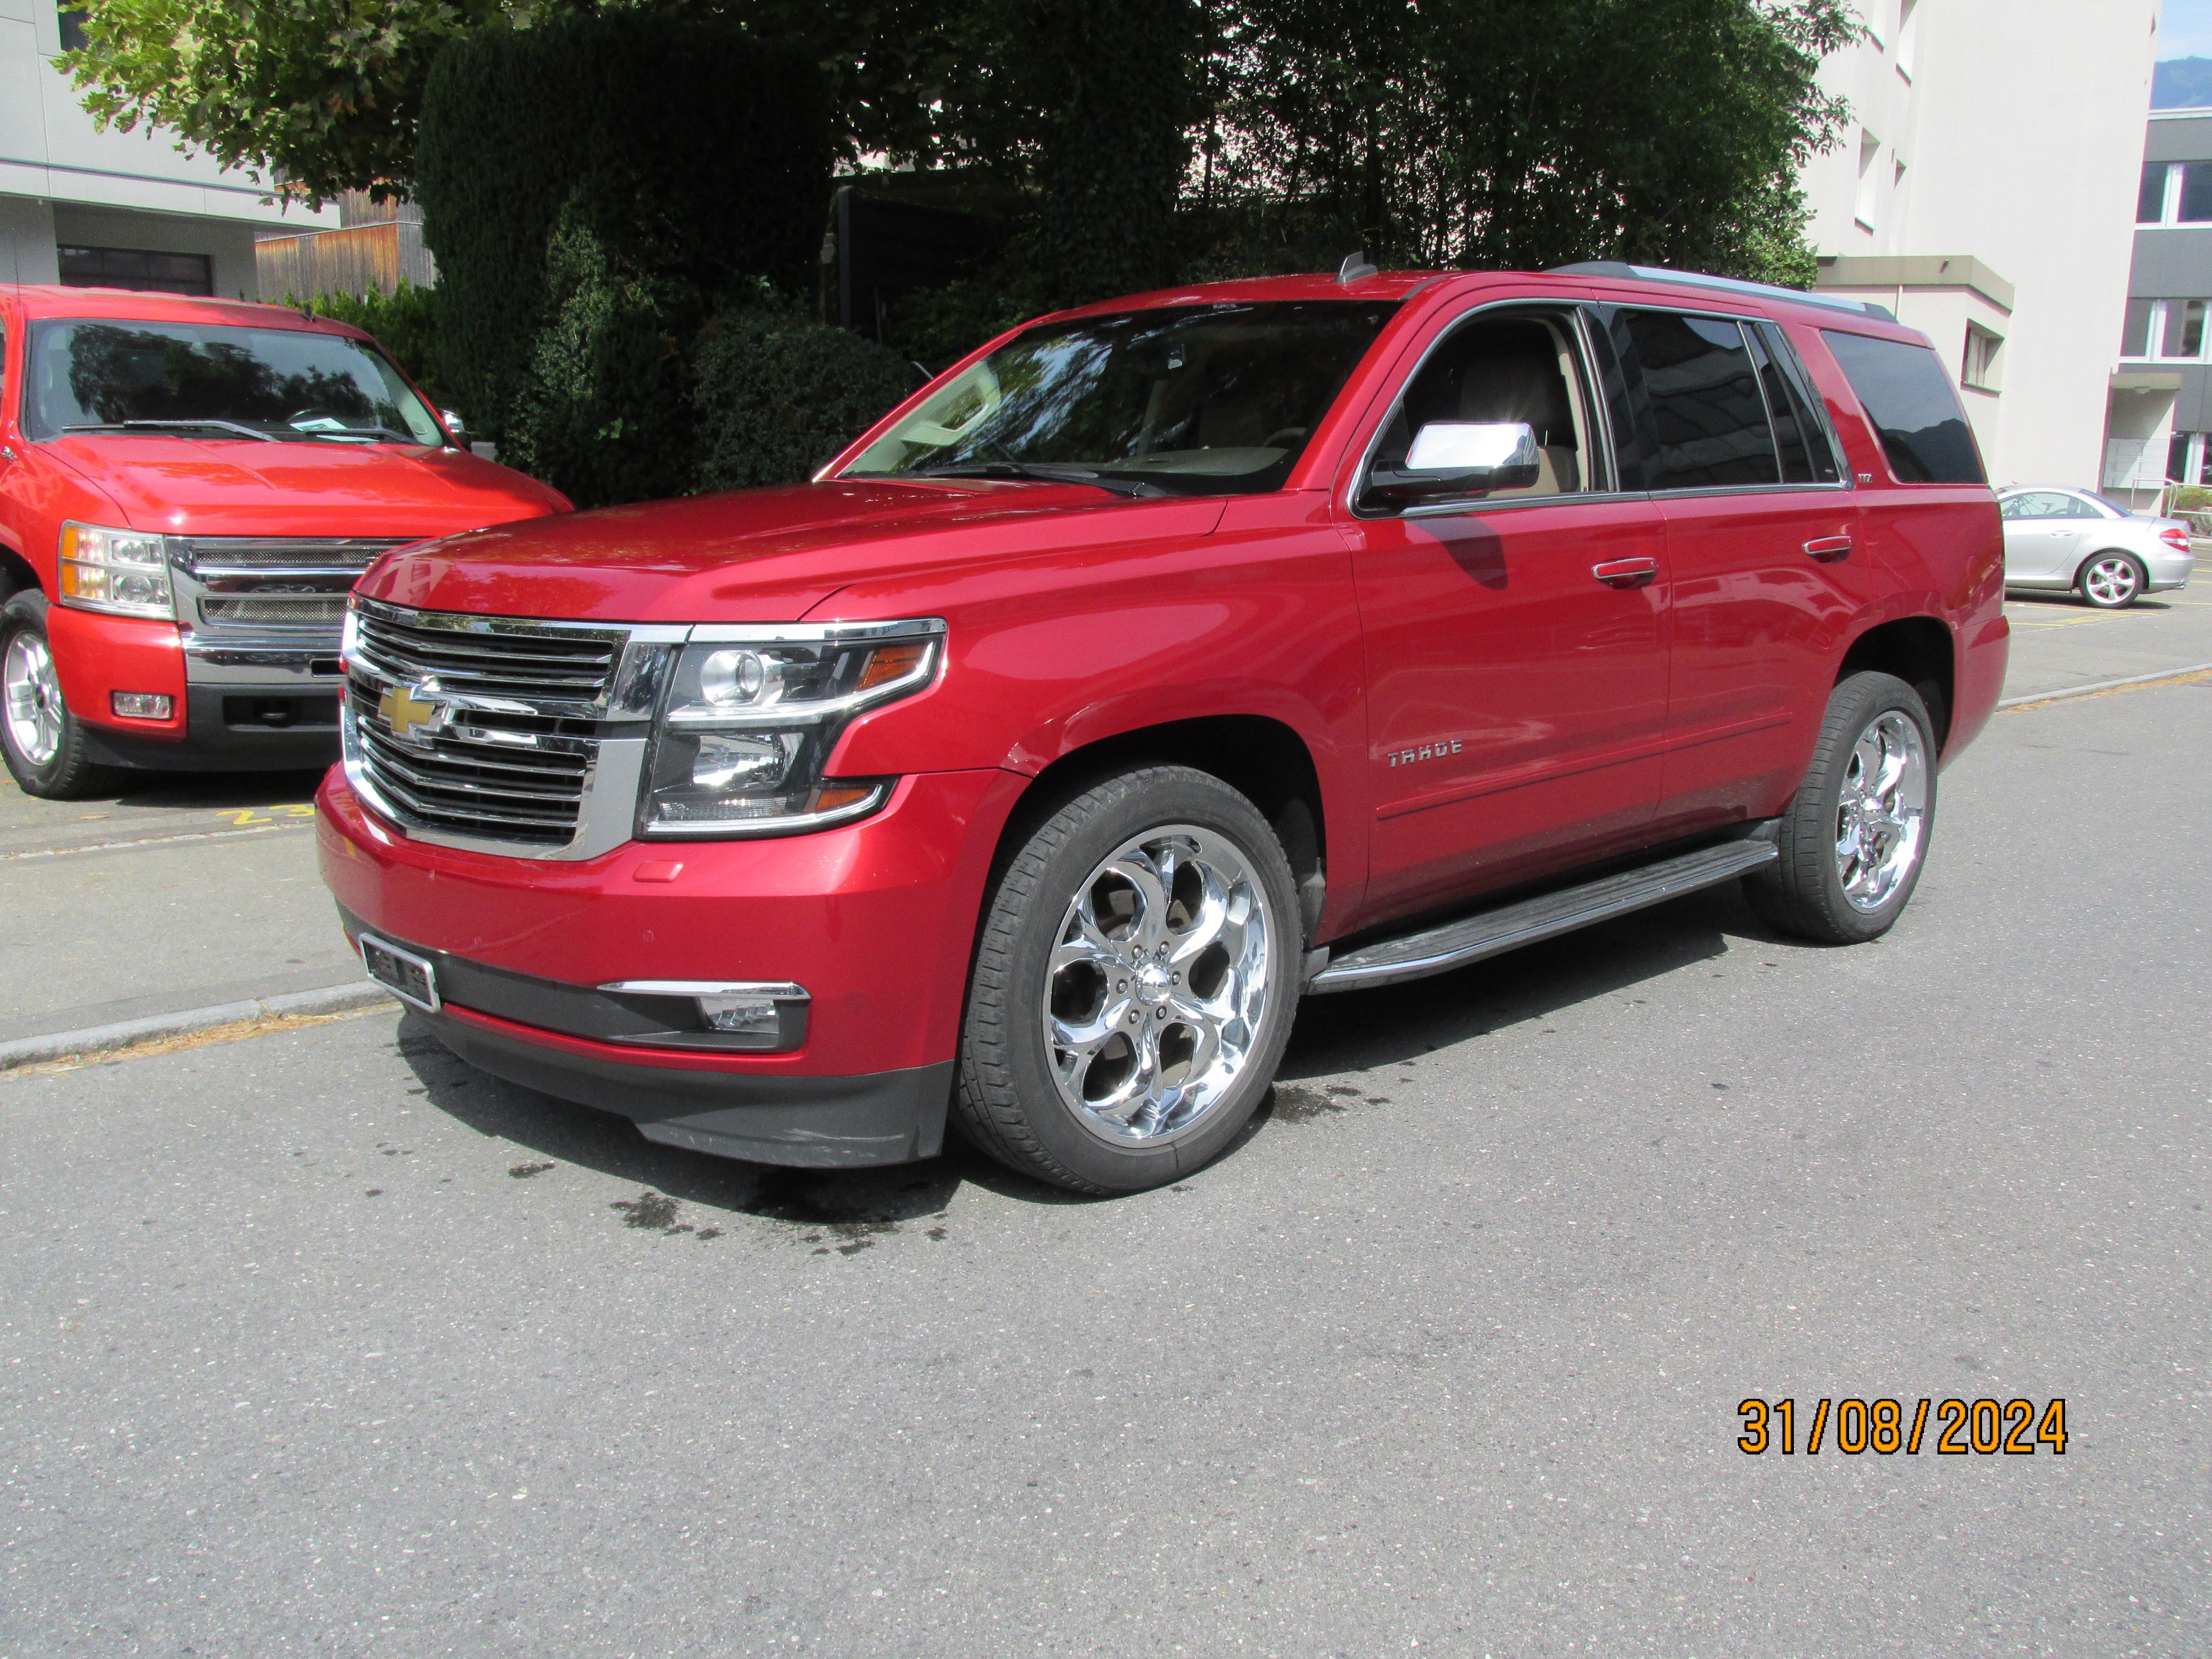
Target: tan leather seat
point(1525, 386)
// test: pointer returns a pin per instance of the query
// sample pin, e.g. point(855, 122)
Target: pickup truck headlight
point(119, 571)
point(751, 714)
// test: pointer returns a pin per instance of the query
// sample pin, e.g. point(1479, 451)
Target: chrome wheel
point(1881, 818)
point(1156, 988)
point(34, 698)
point(2111, 580)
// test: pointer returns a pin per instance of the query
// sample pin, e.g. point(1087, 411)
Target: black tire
point(1803, 892)
point(1009, 1101)
point(70, 773)
point(2120, 578)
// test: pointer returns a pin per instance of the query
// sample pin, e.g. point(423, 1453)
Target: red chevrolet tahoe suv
point(1163, 663)
point(187, 489)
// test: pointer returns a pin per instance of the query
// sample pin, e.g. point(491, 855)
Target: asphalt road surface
point(319, 1343)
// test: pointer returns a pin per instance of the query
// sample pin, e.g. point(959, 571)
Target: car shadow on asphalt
point(1335, 1037)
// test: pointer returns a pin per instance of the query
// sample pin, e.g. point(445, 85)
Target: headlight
point(115, 570)
point(751, 714)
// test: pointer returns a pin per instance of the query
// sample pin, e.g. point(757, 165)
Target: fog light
point(141, 705)
point(753, 1016)
point(759, 1015)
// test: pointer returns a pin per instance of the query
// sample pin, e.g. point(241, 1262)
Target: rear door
point(1760, 527)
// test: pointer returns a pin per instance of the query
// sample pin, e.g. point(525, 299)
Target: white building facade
point(112, 209)
point(1985, 192)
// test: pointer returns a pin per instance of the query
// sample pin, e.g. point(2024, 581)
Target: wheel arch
point(15, 574)
point(1262, 758)
point(2142, 567)
point(1918, 650)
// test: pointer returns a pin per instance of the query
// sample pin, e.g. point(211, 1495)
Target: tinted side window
point(1792, 401)
point(1709, 416)
point(1909, 398)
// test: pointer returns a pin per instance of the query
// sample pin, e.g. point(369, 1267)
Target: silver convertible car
point(2057, 539)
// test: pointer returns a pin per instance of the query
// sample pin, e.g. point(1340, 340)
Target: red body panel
point(207, 487)
point(1551, 718)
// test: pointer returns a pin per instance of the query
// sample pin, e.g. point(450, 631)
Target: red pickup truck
point(1161, 665)
point(187, 489)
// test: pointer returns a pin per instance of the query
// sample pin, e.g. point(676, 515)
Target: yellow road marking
point(236, 1031)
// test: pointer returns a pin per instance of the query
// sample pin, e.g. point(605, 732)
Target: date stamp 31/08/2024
point(1985, 1427)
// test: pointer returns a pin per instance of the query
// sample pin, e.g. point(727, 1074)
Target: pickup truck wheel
point(2111, 581)
point(1855, 837)
point(44, 745)
point(1133, 985)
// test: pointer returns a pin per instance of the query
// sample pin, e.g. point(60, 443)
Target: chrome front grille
point(501, 734)
point(255, 608)
point(324, 611)
point(566, 665)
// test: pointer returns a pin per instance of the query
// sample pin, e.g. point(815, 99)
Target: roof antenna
point(1354, 267)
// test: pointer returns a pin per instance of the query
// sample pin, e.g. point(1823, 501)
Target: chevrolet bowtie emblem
point(407, 716)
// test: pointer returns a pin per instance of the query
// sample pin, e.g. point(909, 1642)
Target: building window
point(71, 18)
point(2183, 335)
point(1869, 177)
point(2150, 196)
point(136, 268)
point(1979, 369)
point(1908, 13)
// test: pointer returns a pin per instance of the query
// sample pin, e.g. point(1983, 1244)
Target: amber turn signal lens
point(892, 662)
point(830, 797)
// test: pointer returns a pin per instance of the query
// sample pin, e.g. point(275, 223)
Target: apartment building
point(112, 210)
point(1983, 193)
point(2159, 409)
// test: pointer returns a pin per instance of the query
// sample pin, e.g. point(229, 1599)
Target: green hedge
point(595, 189)
point(776, 396)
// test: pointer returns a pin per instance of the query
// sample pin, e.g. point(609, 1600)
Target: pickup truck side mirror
point(452, 420)
point(1460, 458)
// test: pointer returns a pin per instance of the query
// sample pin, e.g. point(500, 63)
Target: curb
point(2071, 691)
point(103, 1039)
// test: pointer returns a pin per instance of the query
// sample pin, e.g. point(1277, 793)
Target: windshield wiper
point(175, 426)
point(1040, 471)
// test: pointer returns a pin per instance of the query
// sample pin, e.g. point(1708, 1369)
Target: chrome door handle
point(1829, 549)
point(1625, 573)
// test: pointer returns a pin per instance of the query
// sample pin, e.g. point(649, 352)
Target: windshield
point(1197, 400)
point(196, 381)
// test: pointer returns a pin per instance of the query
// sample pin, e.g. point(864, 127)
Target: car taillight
point(2175, 537)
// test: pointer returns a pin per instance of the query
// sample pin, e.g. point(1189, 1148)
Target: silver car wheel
point(33, 699)
point(2111, 578)
point(1881, 817)
point(1157, 985)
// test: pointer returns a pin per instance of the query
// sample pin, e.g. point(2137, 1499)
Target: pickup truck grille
point(497, 733)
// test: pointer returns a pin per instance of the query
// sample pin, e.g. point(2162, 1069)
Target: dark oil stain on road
point(523, 1171)
point(648, 1213)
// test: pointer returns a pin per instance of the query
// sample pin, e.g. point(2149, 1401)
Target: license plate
point(403, 973)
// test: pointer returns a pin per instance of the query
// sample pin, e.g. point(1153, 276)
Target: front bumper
point(875, 919)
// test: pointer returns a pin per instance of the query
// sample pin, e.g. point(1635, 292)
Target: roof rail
point(1618, 268)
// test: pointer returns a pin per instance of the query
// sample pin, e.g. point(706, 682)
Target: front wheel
point(1133, 985)
point(1855, 837)
point(2111, 581)
point(42, 742)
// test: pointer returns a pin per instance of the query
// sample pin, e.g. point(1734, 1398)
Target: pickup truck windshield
point(193, 380)
point(1192, 400)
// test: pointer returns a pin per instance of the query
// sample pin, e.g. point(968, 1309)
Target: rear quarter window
point(1907, 396)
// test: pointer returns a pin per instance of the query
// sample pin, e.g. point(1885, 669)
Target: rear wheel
point(1133, 985)
point(2111, 581)
point(1855, 837)
point(42, 741)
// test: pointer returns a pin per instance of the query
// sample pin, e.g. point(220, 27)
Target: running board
point(1491, 932)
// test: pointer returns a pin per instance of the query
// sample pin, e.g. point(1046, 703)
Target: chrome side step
point(1491, 932)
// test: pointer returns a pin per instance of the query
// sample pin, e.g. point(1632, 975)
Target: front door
point(1515, 644)
point(2042, 533)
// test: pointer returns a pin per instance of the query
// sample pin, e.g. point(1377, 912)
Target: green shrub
point(404, 322)
point(776, 396)
point(595, 188)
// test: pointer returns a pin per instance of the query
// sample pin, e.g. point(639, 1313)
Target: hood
point(241, 487)
point(763, 554)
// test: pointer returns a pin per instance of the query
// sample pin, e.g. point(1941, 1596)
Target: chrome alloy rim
point(34, 699)
point(2111, 580)
point(1156, 988)
point(1881, 822)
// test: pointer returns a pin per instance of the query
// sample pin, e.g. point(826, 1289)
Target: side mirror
point(1460, 458)
point(451, 420)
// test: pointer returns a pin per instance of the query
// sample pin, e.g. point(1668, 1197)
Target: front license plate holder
point(406, 975)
